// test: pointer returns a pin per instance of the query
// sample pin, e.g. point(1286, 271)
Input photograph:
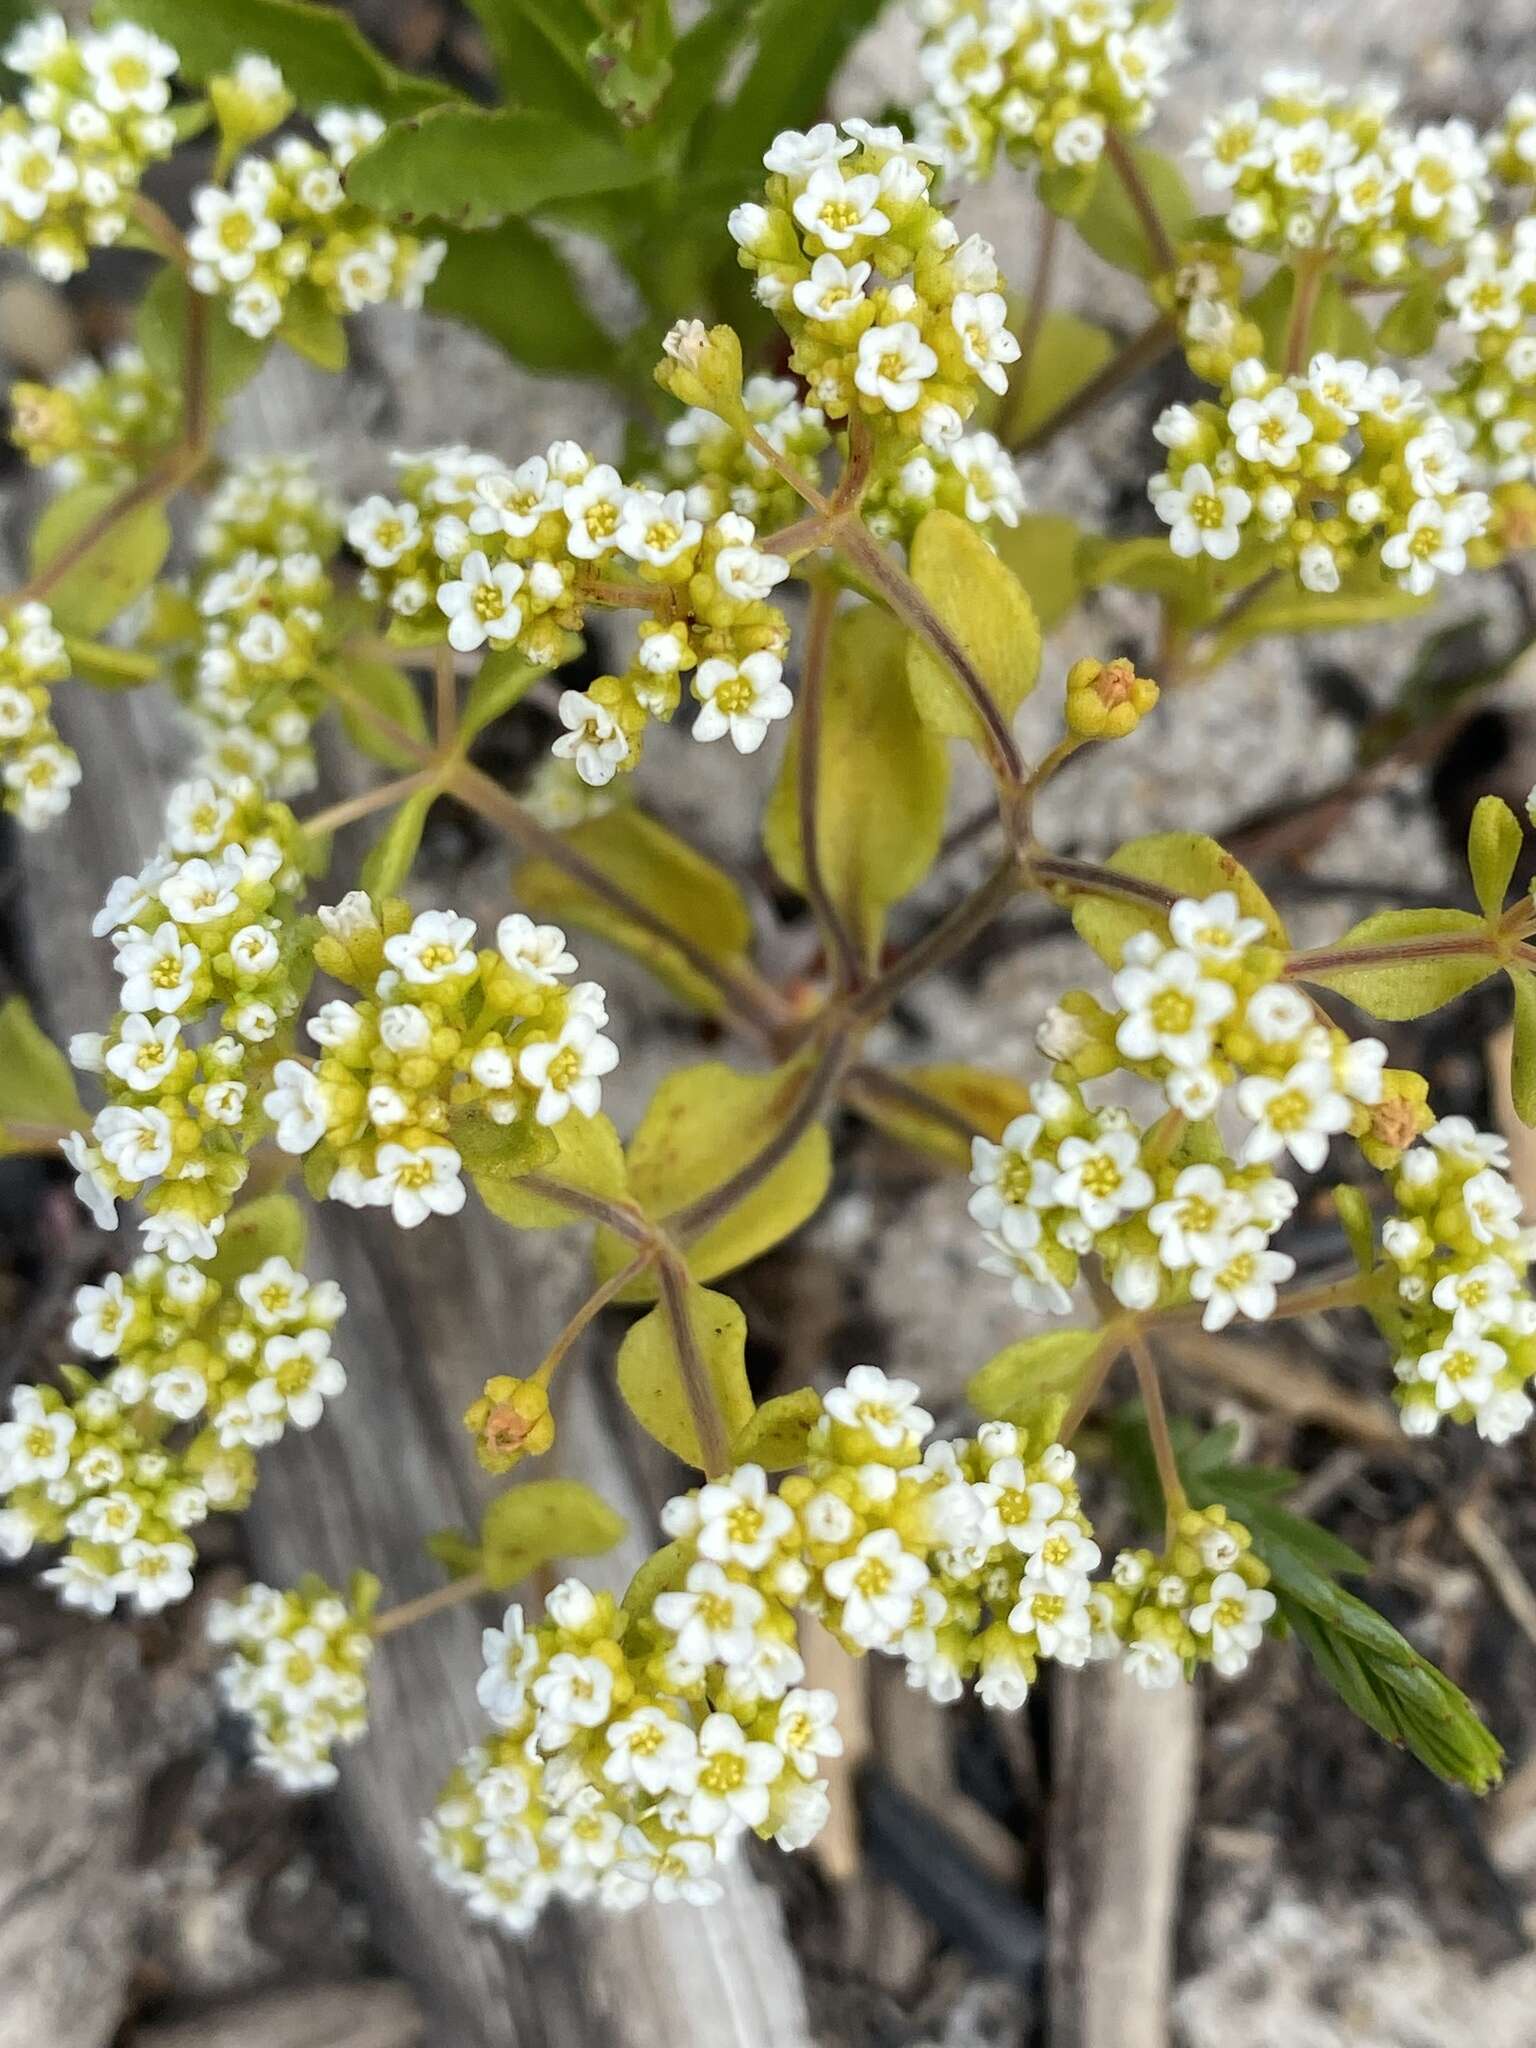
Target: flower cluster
point(1041, 80)
point(1451, 1293)
point(1310, 166)
point(285, 224)
point(38, 771)
point(97, 425)
point(513, 558)
point(1336, 469)
point(93, 117)
point(206, 932)
point(1204, 1601)
point(259, 623)
point(298, 1670)
point(442, 1035)
point(1492, 300)
point(890, 315)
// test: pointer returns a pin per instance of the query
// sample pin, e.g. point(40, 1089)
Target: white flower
point(878, 1587)
point(296, 1105)
point(1170, 1009)
point(1432, 543)
point(1214, 929)
point(1504, 1415)
point(1278, 1014)
point(741, 699)
point(887, 1410)
point(35, 1443)
point(652, 1750)
point(144, 1053)
point(81, 1583)
point(567, 1071)
point(438, 947)
point(1359, 1068)
point(101, 1315)
point(1234, 1619)
point(714, 1618)
point(383, 532)
point(300, 1376)
point(988, 344)
point(739, 1521)
point(135, 1143)
point(159, 970)
point(731, 1791)
point(1205, 517)
point(1102, 1178)
point(481, 603)
point(129, 69)
point(1154, 1665)
point(593, 739)
point(536, 950)
point(1061, 1623)
point(1242, 1281)
point(655, 528)
point(793, 155)
point(1460, 1139)
point(831, 289)
point(1493, 1207)
point(233, 229)
point(743, 573)
point(894, 364)
point(839, 210)
point(417, 1182)
point(1270, 431)
point(511, 1654)
point(514, 504)
point(1194, 1225)
point(1298, 1114)
point(806, 1729)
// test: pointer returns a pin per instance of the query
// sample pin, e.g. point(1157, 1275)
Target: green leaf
point(1016, 1384)
point(1523, 1065)
point(651, 1376)
point(1112, 227)
point(458, 1554)
point(1396, 990)
point(1409, 327)
point(1149, 564)
point(502, 680)
point(584, 1153)
point(472, 166)
point(1042, 552)
point(389, 859)
point(680, 886)
point(322, 55)
point(540, 52)
point(700, 59)
point(390, 691)
point(312, 328)
point(1355, 1216)
point(799, 49)
point(113, 570)
point(543, 1519)
point(777, 1434)
point(37, 1085)
point(111, 668)
point(1337, 325)
point(1068, 353)
point(270, 1227)
point(937, 1109)
point(233, 356)
point(497, 1155)
point(883, 783)
point(703, 1125)
point(986, 609)
point(543, 321)
point(1493, 847)
point(1365, 599)
point(1186, 864)
point(663, 1572)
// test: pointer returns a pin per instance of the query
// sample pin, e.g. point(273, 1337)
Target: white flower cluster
point(203, 933)
point(93, 117)
point(1312, 166)
point(1041, 80)
point(1492, 300)
point(286, 225)
point(1204, 1601)
point(441, 1029)
point(298, 1670)
point(1455, 1301)
point(502, 558)
point(1339, 468)
point(38, 771)
point(97, 424)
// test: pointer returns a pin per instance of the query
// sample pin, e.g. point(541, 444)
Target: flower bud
point(510, 1421)
point(701, 366)
point(1107, 700)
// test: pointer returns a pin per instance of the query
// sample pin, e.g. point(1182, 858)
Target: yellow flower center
point(1101, 1176)
point(1172, 1011)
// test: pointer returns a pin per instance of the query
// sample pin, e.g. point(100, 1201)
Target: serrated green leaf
point(390, 691)
point(543, 1519)
point(651, 1377)
point(1184, 863)
point(233, 356)
point(1523, 1064)
point(323, 56)
point(1042, 552)
point(584, 1152)
point(1110, 224)
point(115, 569)
point(1409, 327)
point(776, 1436)
point(473, 166)
point(544, 321)
point(1068, 353)
point(312, 328)
point(270, 1227)
point(988, 612)
point(1493, 846)
point(1433, 974)
point(1020, 1380)
point(36, 1083)
point(923, 1107)
point(389, 859)
point(703, 1125)
point(683, 889)
point(884, 780)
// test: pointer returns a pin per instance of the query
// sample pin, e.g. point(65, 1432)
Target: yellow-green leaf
point(1184, 864)
point(882, 787)
point(543, 1519)
point(389, 859)
point(1068, 352)
point(1523, 1068)
point(1355, 1217)
point(496, 1155)
point(1150, 564)
point(1042, 552)
point(1364, 599)
point(504, 678)
point(270, 1227)
point(662, 1572)
point(937, 1109)
point(584, 1152)
point(113, 570)
point(776, 1436)
point(390, 691)
point(472, 166)
point(703, 1125)
point(987, 611)
point(36, 1084)
point(686, 892)
point(1020, 1380)
point(1112, 226)
point(1493, 847)
point(1433, 973)
point(233, 356)
point(311, 327)
point(651, 1374)
point(1409, 327)
point(111, 668)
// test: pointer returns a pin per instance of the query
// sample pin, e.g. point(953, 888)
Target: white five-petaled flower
point(1205, 517)
point(741, 699)
point(416, 1182)
point(1170, 1009)
point(481, 603)
point(1298, 1114)
point(888, 1410)
point(1242, 1281)
point(1102, 1178)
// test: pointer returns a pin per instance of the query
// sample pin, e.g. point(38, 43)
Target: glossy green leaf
point(1523, 1066)
point(777, 1434)
point(1435, 973)
point(37, 1085)
point(391, 692)
point(987, 610)
point(391, 855)
point(514, 285)
point(1068, 353)
point(1493, 847)
point(651, 1377)
point(1182, 863)
point(115, 569)
point(542, 1519)
point(884, 780)
point(1042, 552)
point(472, 166)
point(584, 1152)
point(1016, 1384)
point(1110, 224)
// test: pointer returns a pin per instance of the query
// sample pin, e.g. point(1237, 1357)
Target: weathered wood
point(362, 2015)
point(1123, 1779)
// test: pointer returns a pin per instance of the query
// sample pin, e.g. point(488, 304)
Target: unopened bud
point(510, 1421)
point(701, 366)
point(1107, 699)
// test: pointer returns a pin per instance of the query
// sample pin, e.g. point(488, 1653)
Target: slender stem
point(1038, 300)
point(1298, 331)
point(159, 483)
point(943, 941)
point(846, 957)
point(698, 1388)
point(1154, 340)
point(1041, 774)
point(589, 1311)
point(867, 1080)
point(1231, 613)
point(1348, 1292)
point(1089, 878)
point(625, 596)
point(1112, 1344)
point(1175, 1499)
point(1118, 153)
point(1331, 959)
point(798, 538)
point(620, 1217)
point(351, 808)
point(445, 698)
point(409, 1612)
point(800, 485)
point(336, 685)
